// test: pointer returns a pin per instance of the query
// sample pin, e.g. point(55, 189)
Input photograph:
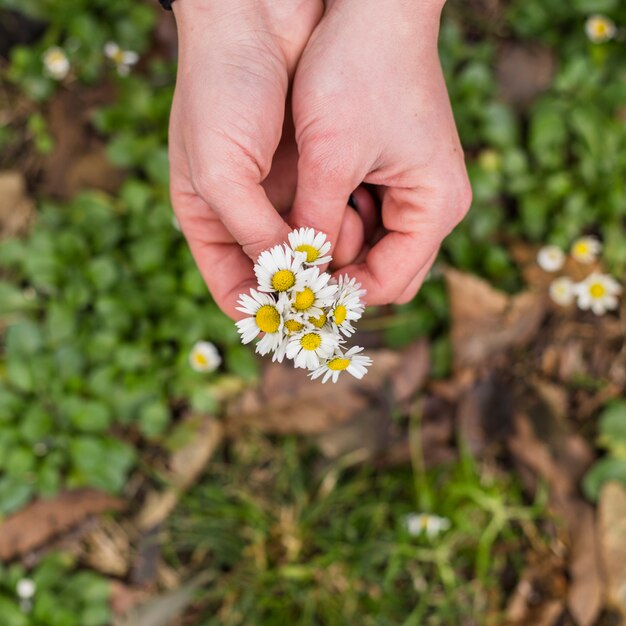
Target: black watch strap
point(166, 4)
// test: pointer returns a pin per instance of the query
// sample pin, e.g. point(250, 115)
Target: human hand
point(370, 105)
point(235, 61)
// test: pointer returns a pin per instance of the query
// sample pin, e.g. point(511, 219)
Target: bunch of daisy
point(596, 292)
point(302, 313)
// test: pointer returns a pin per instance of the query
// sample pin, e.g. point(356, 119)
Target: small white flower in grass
point(316, 293)
point(351, 362)
point(586, 249)
point(266, 317)
point(426, 524)
point(56, 63)
point(550, 258)
point(204, 357)
point(25, 588)
point(597, 292)
point(123, 59)
point(313, 244)
point(347, 307)
point(309, 347)
point(280, 270)
point(561, 291)
point(600, 28)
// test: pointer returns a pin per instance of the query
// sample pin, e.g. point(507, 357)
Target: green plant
point(611, 437)
point(61, 595)
point(284, 542)
point(99, 329)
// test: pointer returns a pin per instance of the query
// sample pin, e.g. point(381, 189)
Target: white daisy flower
point(316, 293)
point(204, 357)
point(313, 244)
point(550, 258)
point(426, 524)
point(266, 317)
point(600, 28)
point(280, 269)
point(352, 362)
point(123, 59)
point(56, 63)
point(347, 307)
point(561, 291)
point(586, 249)
point(25, 588)
point(310, 347)
point(598, 292)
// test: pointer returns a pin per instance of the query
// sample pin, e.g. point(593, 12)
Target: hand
point(235, 61)
point(370, 104)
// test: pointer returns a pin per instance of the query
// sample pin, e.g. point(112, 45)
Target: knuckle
point(210, 179)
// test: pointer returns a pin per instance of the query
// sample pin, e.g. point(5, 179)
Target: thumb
point(322, 194)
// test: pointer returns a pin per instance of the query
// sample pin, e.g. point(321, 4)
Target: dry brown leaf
point(108, 548)
point(289, 402)
point(612, 536)
point(561, 461)
point(186, 464)
point(486, 321)
point(43, 519)
point(584, 597)
point(483, 412)
point(413, 371)
point(523, 72)
point(78, 159)
point(17, 210)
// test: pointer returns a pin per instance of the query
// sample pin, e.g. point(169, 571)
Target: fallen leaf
point(561, 459)
point(524, 71)
point(78, 159)
point(484, 412)
point(43, 519)
point(17, 210)
point(612, 537)
point(185, 464)
point(288, 402)
point(485, 321)
point(410, 376)
point(108, 548)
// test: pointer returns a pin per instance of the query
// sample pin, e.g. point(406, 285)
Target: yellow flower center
point(600, 28)
point(55, 57)
point(283, 280)
point(581, 249)
point(318, 322)
point(268, 318)
point(597, 290)
point(311, 341)
point(304, 299)
point(311, 252)
point(200, 359)
point(340, 314)
point(293, 327)
point(338, 364)
point(118, 57)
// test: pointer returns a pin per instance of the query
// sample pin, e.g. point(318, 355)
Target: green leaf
point(154, 418)
point(12, 299)
point(101, 463)
point(612, 427)
point(14, 494)
point(603, 471)
point(241, 361)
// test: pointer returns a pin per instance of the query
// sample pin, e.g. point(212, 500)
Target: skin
point(368, 104)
